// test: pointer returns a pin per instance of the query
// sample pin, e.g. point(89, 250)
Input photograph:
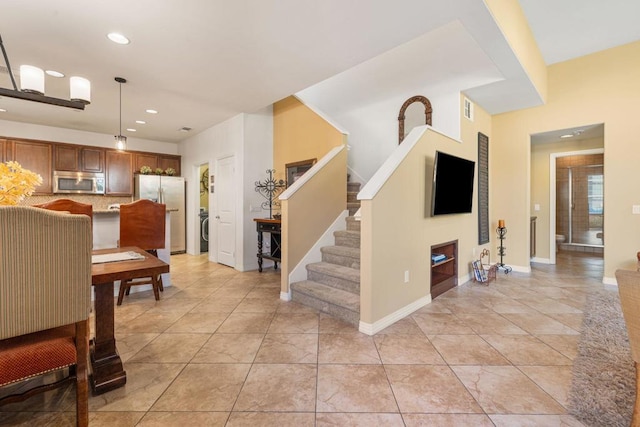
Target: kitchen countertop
point(117, 211)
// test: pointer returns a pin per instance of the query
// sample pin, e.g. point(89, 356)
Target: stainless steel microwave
point(78, 182)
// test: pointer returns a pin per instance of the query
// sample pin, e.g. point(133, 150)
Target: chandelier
point(32, 87)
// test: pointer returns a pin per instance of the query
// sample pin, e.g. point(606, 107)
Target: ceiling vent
point(184, 129)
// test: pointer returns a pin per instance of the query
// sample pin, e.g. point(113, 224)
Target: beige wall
point(397, 233)
point(309, 211)
point(300, 134)
point(540, 188)
point(513, 24)
point(598, 88)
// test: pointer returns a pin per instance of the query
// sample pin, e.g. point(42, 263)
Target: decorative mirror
point(413, 116)
point(296, 169)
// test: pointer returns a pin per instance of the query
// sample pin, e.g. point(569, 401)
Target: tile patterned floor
point(221, 348)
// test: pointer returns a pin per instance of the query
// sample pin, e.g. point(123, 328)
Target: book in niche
point(438, 257)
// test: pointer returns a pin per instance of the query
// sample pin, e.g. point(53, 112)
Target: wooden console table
point(273, 227)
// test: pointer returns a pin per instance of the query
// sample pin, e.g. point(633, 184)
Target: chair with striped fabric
point(45, 298)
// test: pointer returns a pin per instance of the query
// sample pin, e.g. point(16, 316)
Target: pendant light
point(121, 141)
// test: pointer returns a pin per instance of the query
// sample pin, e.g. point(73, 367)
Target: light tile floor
point(221, 348)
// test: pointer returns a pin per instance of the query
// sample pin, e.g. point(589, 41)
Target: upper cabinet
point(154, 161)
point(166, 161)
point(35, 156)
point(3, 150)
point(119, 173)
point(77, 158)
point(145, 159)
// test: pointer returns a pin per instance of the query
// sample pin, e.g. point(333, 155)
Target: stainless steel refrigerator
point(169, 190)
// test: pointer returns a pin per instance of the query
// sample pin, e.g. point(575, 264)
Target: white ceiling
point(200, 62)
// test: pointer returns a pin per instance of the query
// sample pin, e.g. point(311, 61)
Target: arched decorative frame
point(427, 113)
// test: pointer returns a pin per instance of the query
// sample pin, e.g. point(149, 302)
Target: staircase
point(333, 285)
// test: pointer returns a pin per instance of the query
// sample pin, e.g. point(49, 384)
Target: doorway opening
point(568, 170)
point(203, 211)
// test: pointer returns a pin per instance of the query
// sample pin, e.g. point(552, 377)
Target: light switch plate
point(536, 207)
point(635, 209)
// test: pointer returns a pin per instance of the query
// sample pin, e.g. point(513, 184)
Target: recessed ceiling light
point(54, 73)
point(152, 111)
point(118, 38)
point(569, 135)
point(141, 122)
point(131, 130)
point(2, 110)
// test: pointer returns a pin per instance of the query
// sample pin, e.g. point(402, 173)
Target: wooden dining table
point(107, 371)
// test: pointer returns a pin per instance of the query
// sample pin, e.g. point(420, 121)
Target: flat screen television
point(452, 190)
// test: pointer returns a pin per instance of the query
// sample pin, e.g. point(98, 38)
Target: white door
point(225, 210)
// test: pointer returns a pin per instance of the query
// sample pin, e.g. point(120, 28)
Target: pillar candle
point(501, 223)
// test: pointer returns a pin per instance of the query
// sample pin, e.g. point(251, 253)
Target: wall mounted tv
point(452, 190)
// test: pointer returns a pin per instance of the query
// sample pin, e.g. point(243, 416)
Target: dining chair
point(45, 284)
point(629, 290)
point(142, 224)
point(68, 205)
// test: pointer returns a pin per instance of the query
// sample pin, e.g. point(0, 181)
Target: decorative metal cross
point(269, 189)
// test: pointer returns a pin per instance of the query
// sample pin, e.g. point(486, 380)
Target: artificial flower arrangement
point(16, 183)
point(170, 171)
point(159, 171)
point(145, 170)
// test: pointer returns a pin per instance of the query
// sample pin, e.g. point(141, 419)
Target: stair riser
point(353, 187)
point(352, 197)
point(336, 282)
point(349, 242)
point(342, 313)
point(353, 225)
point(345, 261)
point(353, 210)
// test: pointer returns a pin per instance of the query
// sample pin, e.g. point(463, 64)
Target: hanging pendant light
point(121, 141)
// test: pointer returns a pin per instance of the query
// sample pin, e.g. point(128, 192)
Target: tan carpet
point(603, 384)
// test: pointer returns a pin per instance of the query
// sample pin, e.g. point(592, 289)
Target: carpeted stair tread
point(337, 271)
point(341, 255)
point(352, 197)
point(328, 294)
point(342, 251)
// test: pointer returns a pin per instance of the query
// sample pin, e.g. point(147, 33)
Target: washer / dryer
point(204, 231)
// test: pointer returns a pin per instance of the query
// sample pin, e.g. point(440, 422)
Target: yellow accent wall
point(599, 88)
point(515, 27)
point(300, 134)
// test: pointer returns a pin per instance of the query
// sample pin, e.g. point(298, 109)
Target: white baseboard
point(520, 268)
point(285, 296)
point(541, 260)
point(610, 281)
point(374, 328)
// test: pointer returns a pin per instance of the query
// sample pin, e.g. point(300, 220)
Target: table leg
point(106, 365)
point(260, 251)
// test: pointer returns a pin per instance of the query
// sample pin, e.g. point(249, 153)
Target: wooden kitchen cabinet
point(119, 173)
point(35, 156)
point(78, 158)
point(154, 161)
point(145, 159)
point(166, 161)
point(3, 150)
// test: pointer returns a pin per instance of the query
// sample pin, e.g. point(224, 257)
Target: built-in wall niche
point(444, 267)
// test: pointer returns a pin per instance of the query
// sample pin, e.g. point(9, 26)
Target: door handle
point(217, 216)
